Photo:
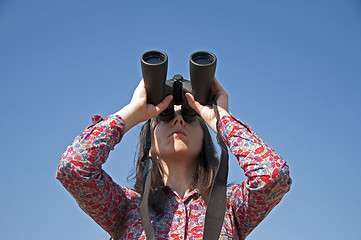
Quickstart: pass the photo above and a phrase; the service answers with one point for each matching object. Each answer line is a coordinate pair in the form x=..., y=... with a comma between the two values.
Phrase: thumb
x=193, y=103
x=164, y=104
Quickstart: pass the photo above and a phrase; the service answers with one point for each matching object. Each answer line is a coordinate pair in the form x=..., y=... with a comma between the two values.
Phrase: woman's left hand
x=207, y=112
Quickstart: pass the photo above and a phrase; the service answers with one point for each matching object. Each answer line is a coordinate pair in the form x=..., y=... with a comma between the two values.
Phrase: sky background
x=292, y=70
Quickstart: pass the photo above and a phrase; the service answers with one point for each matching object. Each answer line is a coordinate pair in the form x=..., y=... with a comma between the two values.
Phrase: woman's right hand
x=138, y=110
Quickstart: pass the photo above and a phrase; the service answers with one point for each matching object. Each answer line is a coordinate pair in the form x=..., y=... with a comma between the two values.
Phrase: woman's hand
x=138, y=110
x=207, y=112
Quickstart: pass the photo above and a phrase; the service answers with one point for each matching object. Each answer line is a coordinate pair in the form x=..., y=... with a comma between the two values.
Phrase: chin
x=179, y=149
x=178, y=145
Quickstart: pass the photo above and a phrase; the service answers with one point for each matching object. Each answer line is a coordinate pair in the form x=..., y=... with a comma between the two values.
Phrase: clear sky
x=292, y=70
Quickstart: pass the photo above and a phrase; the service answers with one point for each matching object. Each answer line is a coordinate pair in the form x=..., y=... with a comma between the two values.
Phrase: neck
x=179, y=175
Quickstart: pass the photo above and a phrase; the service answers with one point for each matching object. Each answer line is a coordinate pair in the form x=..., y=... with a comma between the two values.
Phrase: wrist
x=127, y=114
x=222, y=112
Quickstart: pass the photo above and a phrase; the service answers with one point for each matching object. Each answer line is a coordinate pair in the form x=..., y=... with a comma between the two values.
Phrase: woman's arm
x=268, y=175
x=80, y=172
x=80, y=167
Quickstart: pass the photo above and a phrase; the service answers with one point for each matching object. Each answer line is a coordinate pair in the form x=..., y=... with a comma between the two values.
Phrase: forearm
x=260, y=162
x=130, y=117
x=91, y=148
x=80, y=172
x=267, y=175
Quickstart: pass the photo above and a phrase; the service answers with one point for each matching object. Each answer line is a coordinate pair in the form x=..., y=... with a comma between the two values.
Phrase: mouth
x=178, y=132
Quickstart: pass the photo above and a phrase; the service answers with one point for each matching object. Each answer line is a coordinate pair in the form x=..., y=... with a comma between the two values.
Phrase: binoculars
x=202, y=66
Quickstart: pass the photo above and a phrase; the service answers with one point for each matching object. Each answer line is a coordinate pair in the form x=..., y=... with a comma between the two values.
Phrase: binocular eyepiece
x=202, y=66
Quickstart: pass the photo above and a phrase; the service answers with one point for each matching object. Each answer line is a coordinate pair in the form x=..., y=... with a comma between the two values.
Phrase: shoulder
x=131, y=194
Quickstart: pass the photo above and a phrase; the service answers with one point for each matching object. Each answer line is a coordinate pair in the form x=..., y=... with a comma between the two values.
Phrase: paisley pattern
x=116, y=208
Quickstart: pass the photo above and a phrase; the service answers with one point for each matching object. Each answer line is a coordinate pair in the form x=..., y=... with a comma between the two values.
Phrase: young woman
x=184, y=165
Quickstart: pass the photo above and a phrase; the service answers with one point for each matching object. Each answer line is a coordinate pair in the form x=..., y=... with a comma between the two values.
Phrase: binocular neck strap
x=216, y=206
x=147, y=179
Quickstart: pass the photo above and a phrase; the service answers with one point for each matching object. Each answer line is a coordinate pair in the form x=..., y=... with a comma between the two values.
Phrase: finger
x=217, y=85
x=205, y=112
x=164, y=104
x=193, y=103
x=140, y=89
x=141, y=84
x=217, y=88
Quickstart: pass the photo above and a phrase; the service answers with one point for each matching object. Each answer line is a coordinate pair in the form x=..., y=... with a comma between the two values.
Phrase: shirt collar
x=171, y=192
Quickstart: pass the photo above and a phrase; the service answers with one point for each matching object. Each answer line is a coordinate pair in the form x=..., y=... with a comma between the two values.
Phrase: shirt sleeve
x=80, y=172
x=267, y=175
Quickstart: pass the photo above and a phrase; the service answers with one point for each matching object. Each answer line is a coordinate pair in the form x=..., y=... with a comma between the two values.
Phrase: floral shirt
x=116, y=208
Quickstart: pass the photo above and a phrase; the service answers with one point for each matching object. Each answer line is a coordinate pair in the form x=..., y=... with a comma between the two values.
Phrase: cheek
x=156, y=141
x=198, y=139
x=160, y=142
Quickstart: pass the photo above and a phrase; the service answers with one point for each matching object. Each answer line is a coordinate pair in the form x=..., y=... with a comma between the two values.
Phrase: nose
x=178, y=119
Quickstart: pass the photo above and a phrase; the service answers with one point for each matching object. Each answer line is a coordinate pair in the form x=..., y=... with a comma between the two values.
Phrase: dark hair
x=202, y=177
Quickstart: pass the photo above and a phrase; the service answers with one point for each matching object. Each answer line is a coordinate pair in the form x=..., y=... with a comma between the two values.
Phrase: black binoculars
x=202, y=66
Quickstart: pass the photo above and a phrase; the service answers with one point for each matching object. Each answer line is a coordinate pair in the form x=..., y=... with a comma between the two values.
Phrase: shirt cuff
x=114, y=122
x=229, y=124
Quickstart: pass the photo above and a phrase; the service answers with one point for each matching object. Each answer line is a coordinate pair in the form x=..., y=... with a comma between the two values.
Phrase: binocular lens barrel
x=154, y=69
x=154, y=57
x=202, y=67
x=203, y=58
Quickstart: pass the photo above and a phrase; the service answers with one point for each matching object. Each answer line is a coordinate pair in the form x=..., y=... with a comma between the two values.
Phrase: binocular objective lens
x=203, y=58
x=154, y=57
x=154, y=60
x=202, y=61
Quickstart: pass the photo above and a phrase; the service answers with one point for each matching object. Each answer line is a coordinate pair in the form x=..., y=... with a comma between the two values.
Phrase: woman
x=185, y=162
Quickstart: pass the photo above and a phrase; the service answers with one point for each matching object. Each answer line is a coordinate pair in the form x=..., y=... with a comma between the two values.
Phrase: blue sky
x=291, y=69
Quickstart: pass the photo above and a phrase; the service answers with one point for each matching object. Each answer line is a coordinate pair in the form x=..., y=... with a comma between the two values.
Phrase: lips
x=178, y=132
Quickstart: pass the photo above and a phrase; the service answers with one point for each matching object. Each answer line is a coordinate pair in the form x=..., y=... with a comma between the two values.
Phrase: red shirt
x=116, y=208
